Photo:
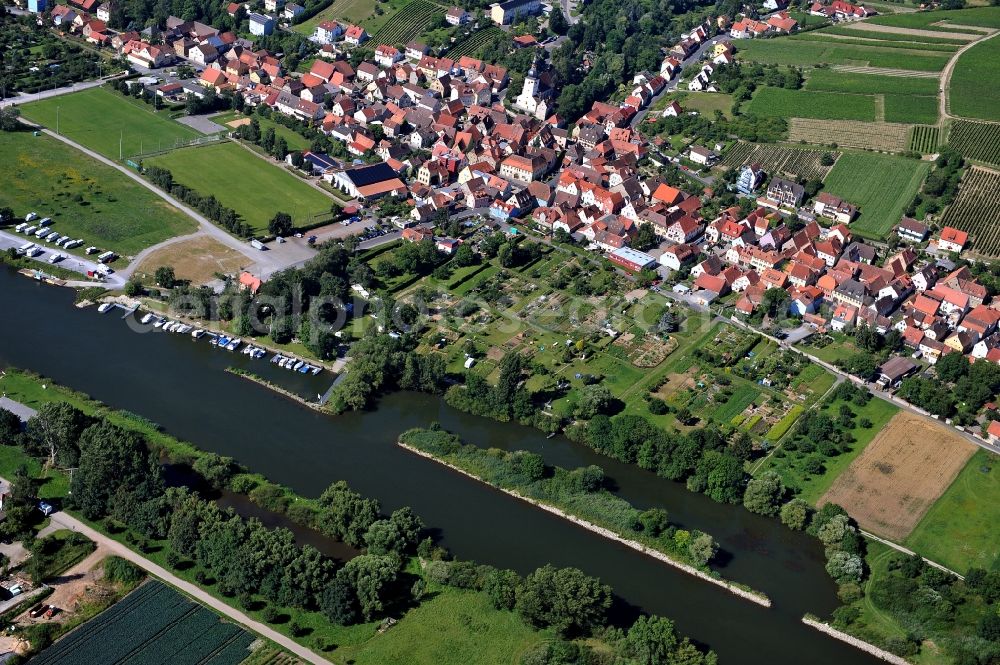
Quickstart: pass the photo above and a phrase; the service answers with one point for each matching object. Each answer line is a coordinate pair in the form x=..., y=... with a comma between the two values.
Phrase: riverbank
x=737, y=589
x=855, y=642
x=253, y=378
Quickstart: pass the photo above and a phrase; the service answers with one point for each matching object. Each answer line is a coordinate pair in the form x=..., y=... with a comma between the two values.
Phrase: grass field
x=911, y=109
x=900, y=474
x=782, y=103
x=803, y=52
x=85, y=198
x=880, y=185
x=968, y=96
x=853, y=30
x=844, y=40
x=828, y=80
x=959, y=530
x=706, y=103
x=466, y=629
x=99, y=119
x=812, y=488
x=244, y=182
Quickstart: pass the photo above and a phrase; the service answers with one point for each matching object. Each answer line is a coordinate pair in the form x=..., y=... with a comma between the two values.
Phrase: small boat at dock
x=159, y=323
x=104, y=307
x=297, y=365
x=277, y=358
x=316, y=370
x=197, y=333
x=184, y=329
x=147, y=318
x=234, y=344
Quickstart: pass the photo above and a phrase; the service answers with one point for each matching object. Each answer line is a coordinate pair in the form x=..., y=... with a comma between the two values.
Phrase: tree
x=501, y=588
x=594, y=399
x=55, y=432
x=371, y=577
x=383, y=537
x=563, y=598
x=6, y=215
x=111, y=457
x=845, y=567
x=702, y=548
x=165, y=277
x=10, y=427
x=645, y=238
x=764, y=493
x=558, y=23
x=338, y=603
x=9, y=119
x=280, y=224
x=775, y=302
x=795, y=514
x=651, y=640
x=133, y=288
x=280, y=149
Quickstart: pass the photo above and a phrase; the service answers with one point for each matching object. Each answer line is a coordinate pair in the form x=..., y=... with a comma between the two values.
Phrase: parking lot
x=81, y=265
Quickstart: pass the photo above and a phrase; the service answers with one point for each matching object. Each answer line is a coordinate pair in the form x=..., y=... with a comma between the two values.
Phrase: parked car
x=46, y=508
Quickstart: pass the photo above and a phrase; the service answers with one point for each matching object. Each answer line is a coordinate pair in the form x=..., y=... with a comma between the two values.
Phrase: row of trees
x=209, y=206
x=268, y=140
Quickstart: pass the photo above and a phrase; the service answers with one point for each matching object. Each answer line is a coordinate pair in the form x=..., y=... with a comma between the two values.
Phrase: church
x=536, y=98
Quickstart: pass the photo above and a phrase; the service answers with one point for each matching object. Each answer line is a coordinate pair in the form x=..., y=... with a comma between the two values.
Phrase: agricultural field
x=783, y=103
x=959, y=530
x=833, y=80
x=900, y=474
x=976, y=209
x=779, y=160
x=153, y=624
x=107, y=122
x=411, y=21
x=803, y=52
x=880, y=185
x=240, y=180
x=925, y=139
x=820, y=36
x=474, y=42
x=360, y=12
x=914, y=37
x=910, y=109
x=967, y=95
x=979, y=141
x=85, y=198
x=959, y=20
x=884, y=136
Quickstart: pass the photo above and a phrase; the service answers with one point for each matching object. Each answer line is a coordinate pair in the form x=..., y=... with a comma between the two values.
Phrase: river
x=180, y=384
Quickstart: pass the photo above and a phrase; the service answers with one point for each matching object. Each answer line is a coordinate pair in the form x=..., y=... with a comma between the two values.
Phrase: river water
x=181, y=384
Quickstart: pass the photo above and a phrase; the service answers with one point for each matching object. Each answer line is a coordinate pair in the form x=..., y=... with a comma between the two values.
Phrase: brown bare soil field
x=901, y=473
x=197, y=259
x=238, y=122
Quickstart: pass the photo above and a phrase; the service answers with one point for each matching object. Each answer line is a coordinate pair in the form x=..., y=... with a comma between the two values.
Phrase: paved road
x=22, y=98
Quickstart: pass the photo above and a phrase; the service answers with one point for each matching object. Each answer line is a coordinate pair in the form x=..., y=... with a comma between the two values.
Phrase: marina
x=231, y=344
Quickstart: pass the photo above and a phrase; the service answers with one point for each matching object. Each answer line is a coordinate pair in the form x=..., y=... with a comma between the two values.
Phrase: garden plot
x=646, y=350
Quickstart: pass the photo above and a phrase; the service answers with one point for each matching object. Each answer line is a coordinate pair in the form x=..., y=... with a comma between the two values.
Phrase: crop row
x=151, y=625
x=475, y=41
x=885, y=136
x=976, y=140
x=775, y=159
x=925, y=139
x=976, y=210
x=409, y=22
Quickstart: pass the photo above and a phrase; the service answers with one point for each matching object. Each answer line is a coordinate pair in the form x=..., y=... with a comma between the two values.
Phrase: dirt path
x=946, y=77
